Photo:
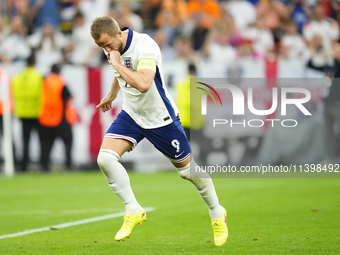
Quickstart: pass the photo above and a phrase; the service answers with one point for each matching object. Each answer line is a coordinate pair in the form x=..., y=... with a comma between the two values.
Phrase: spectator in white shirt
x=292, y=44
x=261, y=37
x=320, y=57
x=82, y=50
x=327, y=28
x=15, y=47
x=94, y=8
x=243, y=12
x=227, y=23
x=48, y=43
x=221, y=55
x=250, y=65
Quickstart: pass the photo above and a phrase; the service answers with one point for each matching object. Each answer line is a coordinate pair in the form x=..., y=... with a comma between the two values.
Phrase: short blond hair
x=103, y=25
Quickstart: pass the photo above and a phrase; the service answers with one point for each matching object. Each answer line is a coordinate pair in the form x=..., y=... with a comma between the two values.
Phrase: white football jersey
x=152, y=109
x=327, y=28
x=296, y=46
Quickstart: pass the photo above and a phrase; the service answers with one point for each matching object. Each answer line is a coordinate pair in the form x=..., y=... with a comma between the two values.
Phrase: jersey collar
x=129, y=39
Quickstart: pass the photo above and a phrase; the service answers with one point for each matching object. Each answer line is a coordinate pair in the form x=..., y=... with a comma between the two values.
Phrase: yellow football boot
x=220, y=229
x=130, y=221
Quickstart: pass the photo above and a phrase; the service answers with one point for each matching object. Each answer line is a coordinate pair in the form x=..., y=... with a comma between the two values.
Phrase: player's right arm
x=106, y=103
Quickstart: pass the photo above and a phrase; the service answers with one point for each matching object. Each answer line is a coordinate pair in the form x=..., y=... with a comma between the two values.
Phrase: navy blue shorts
x=170, y=140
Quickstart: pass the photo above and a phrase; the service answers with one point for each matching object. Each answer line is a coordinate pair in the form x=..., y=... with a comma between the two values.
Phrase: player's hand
x=106, y=103
x=114, y=57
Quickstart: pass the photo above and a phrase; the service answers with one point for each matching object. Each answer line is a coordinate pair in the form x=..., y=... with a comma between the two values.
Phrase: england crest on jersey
x=128, y=62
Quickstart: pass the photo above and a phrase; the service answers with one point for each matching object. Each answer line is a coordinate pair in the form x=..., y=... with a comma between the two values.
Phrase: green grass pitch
x=265, y=216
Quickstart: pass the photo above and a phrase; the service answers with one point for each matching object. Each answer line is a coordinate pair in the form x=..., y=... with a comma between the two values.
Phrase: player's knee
x=184, y=172
x=189, y=172
x=106, y=160
x=101, y=160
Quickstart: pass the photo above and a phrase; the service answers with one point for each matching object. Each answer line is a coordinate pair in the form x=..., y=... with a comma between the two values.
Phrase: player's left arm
x=140, y=79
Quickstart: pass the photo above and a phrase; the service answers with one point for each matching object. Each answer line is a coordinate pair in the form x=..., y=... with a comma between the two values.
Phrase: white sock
x=118, y=179
x=205, y=188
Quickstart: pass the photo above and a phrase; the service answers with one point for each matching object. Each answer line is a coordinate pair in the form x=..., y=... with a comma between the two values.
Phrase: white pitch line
x=69, y=211
x=70, y=224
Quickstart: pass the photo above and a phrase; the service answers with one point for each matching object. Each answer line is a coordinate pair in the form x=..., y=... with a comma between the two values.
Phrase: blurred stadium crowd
x=221, y=33
x=223, y=39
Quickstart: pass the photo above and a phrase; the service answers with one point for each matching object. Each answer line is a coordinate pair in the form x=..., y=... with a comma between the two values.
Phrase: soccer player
x=148, y=111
